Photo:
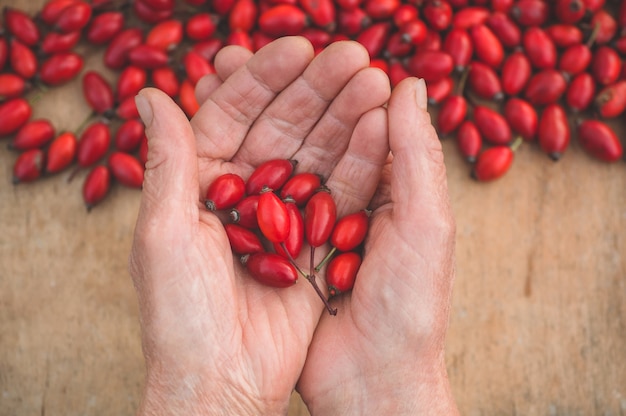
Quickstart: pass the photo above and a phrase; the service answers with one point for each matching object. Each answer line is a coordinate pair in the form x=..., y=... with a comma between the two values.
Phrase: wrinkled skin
x=217, y=342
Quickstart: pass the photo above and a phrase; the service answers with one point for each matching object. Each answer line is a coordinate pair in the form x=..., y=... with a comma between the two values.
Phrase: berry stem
x=293, y=261
x=311, y=279
x=325, y=259
x=516, y=143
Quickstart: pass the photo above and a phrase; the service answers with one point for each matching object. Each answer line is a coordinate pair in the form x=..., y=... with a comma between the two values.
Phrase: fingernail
x=420, y=94
x=144, y=108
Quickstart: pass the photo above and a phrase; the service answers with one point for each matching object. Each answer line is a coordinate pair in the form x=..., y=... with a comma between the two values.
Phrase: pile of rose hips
x=499, y=72
x=272, y=215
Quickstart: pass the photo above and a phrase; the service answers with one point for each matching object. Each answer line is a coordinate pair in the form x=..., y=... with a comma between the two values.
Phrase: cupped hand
x=384, y=352
x=215, y=341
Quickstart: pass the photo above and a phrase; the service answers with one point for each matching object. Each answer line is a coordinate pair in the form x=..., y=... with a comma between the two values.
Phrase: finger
x=418, y=180
x=206, y=86
x=368, y=89
x=354, y=180
x=223, y=121
x=169, y=200
x=291, y=117
x=229, y=59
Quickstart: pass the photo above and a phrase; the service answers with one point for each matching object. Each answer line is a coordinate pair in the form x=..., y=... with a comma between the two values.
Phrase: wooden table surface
x=538, y=323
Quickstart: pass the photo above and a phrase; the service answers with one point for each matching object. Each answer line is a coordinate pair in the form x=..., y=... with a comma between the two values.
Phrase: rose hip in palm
x=341, y=272
x=272, y=174
x=272, y=216
x=320, y=214
x=242, y=240
x=271, y=269
x=292, y=245
x=224, y=192
x=244, y=212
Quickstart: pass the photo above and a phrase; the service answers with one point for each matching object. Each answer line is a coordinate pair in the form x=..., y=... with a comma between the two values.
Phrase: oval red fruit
x=600, y=141
x=320, y=214
x=271, y=269
x=98, y=92
x=611, y=100
x=553, y=132
x=61, y=152
x=492, y=125
x=242, y=240
x=129, y=135
x=580, y=92
x=272, y=216
x=469, y=140
x=116, y=53
x=130, y=81
x=430, y=65
x=93, y=144
x=61, y=68
x=294, y=241
x=545, y=87
x=33, y=134
x=22, y=59
x=14, y=113
x=493, y=163
x=55, y=42
x=224, y=192
x=350, y=230
x=165, y=35
x=28, y=166
x=272, y=174
x=300, y=187
x=126, y=169
x=522, y=117
x=96, y=186
x=244, y=212
x=74, y=17
x=539, y=48
x=341, y=272
x=22, y=26
x=451, y=114
x=487, y=46
x=104, y=27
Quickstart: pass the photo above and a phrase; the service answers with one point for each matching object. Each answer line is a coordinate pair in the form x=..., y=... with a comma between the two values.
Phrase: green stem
x=291, y=259
x=325, y=259
x=516, y=143
x=84, y=123
x=311, y=279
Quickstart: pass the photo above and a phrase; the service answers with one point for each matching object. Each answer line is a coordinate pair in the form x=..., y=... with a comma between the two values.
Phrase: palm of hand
x=255, y=337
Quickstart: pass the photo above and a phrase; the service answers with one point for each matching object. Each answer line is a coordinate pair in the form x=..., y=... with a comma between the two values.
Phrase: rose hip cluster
x=275, y=212
x=499, y=72
x=531, y=71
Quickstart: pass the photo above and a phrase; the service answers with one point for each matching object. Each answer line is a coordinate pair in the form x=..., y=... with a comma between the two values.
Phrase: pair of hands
x=217, y=342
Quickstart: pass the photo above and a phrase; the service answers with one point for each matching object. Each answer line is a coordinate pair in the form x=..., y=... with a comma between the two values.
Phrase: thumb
x=419, y=183
x=170, y=188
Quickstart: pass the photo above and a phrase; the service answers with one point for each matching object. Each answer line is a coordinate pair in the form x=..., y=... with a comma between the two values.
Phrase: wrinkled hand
x=214, y=340
x=384, y=353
